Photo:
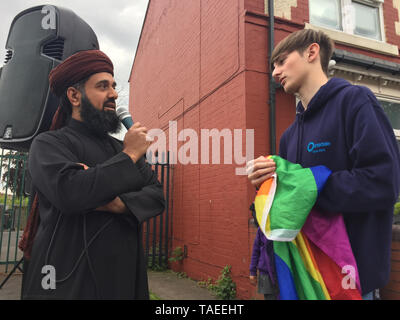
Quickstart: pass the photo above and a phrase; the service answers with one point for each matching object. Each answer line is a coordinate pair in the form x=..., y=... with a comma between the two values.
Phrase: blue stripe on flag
x=321, y=175
x=287, y=289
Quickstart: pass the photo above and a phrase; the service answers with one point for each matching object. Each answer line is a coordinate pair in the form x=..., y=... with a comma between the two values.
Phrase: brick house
x=204, y=65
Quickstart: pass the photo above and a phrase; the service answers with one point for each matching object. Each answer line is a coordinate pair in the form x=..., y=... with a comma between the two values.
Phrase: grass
x=25, y=200
x=154, y=296
x=19, y=214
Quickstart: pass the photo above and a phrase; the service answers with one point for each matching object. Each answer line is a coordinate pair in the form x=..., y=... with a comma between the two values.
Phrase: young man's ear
x=312, y=52
x=74, y=96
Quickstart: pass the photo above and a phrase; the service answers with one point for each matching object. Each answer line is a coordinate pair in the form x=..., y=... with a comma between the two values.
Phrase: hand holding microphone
x=124, y=116
x=136, y=141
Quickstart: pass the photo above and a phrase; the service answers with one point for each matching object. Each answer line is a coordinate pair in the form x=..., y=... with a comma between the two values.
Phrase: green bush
x=225, y=288
x=206, y=284
x=24, y=202
x=153, y=296
x=177, y=255
x=397, y=208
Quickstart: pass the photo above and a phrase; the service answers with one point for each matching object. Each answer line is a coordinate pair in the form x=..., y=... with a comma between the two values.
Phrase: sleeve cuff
x=124, y=172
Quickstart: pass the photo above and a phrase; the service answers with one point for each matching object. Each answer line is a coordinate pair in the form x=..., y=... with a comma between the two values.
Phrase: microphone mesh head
x=122, y=112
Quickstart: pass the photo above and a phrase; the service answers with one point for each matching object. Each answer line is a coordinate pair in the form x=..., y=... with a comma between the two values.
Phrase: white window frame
x=397, y=133
x=393, y=100
x=372, y=3
x=347, y=16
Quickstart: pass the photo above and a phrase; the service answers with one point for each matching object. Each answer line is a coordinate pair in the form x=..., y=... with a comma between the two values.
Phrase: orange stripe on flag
x=265, y=187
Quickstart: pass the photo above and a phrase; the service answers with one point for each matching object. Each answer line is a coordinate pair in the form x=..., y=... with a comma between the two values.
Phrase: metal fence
x=14, y=205
x=157, y=231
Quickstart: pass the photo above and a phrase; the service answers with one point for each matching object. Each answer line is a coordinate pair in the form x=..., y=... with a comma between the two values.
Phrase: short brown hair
x=300, y=40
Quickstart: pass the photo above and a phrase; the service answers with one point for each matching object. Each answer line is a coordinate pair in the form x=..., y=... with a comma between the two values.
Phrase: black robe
x=113, y=266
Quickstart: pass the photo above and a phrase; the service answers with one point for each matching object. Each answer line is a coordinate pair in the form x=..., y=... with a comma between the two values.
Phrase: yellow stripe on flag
x=309, y=262
x=263, y=202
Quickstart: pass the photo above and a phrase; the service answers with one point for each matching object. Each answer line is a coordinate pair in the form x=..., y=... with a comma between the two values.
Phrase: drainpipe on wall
x=271, y=83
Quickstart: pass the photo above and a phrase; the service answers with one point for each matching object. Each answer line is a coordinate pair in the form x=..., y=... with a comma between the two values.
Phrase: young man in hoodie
x=343, y=127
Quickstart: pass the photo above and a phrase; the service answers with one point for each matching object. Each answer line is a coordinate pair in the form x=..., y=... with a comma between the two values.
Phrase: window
x=392, y=110
x=326, y=13
x=358, y=17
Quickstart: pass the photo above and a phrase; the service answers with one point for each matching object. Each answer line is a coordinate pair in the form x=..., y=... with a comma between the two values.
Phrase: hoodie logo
x=317, y=147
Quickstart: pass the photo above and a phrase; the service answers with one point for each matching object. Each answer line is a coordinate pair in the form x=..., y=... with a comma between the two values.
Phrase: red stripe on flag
x=333, y=276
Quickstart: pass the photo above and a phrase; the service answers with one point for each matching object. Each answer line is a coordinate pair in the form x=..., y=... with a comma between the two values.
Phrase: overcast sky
x=116, y=23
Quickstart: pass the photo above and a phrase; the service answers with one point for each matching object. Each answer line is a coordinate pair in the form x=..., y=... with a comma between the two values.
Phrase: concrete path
x=165, y=285
x=168, y=286
x=12, y=289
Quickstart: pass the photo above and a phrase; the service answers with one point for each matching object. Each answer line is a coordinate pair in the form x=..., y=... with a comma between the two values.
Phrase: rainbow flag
x=312, y=252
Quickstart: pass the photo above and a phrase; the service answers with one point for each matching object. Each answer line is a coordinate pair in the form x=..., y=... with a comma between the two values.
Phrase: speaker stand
x=11, y=272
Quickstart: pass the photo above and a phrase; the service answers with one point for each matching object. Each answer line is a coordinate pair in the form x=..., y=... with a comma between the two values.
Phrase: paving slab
x=168, y=286
x=12, y=288
x=165, y=285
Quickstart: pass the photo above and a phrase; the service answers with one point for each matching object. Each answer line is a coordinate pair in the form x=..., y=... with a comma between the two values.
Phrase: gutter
x=271, y=82
x=366, y=62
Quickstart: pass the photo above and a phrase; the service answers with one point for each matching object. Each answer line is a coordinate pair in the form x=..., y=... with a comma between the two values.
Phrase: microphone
x=124, y=116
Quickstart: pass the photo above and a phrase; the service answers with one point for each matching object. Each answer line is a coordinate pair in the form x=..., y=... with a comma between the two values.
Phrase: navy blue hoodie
x=345, y=129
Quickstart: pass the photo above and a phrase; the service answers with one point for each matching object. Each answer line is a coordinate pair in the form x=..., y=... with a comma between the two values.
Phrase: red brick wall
x=300, y=14
x=257, y=89
x=190, y=67
x=390, y=16
x=392, y=290
x=255, y=6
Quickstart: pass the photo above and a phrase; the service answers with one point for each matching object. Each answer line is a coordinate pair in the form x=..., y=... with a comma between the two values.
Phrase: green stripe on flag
x=297, y=195
x=306, y=286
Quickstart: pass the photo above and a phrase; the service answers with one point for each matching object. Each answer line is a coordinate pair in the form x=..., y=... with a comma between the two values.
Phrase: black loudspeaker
x=39, y=39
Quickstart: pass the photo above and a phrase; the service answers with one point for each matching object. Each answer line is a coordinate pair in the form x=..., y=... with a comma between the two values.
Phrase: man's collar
x=81, y=127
